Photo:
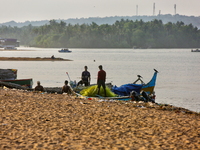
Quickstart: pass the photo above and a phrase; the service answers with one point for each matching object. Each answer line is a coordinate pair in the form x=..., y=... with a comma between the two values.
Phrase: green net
x=92, y=92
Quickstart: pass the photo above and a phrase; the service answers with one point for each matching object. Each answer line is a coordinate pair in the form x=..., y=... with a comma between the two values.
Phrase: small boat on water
x=64, y=50
x=10, y=47
x=196, y=50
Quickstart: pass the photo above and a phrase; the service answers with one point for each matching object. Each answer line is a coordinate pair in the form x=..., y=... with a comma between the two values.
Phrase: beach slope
x=32, y=120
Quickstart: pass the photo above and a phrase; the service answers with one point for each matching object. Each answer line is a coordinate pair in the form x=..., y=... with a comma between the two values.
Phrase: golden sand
x=31, y=120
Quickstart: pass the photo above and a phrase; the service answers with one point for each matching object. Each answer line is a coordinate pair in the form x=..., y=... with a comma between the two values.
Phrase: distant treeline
x=112, y=19
x=121, y=34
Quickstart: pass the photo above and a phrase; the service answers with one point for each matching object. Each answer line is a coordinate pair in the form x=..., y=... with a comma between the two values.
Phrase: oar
x=68, y=76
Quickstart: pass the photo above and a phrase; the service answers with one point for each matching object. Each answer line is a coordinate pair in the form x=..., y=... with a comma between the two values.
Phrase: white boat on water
x=10, y=47
x=64, y=50
x=197, y=50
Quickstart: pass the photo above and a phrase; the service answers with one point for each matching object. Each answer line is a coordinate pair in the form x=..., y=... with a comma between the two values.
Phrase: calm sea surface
x=178, y=80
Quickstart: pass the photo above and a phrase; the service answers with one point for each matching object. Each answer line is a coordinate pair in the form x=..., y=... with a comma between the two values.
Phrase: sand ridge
x=32, y=120
x=32, y=59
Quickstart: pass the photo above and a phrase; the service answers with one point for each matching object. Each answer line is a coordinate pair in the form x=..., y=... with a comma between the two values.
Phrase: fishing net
x=92, y=92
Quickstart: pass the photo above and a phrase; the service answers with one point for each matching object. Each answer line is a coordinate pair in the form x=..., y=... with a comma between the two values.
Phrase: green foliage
x=122, y=34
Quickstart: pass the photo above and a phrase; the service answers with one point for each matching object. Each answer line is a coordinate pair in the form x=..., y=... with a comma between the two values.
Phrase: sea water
x=178, y=80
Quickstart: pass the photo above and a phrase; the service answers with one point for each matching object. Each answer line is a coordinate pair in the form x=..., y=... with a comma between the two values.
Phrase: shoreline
x=160, y=106
x=35, y=120
x=15, y=50
x=32, y=59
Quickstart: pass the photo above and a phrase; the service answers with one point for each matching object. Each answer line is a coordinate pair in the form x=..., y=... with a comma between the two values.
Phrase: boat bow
x=149, y=87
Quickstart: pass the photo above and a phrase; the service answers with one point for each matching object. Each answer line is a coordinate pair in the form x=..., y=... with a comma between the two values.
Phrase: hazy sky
x=36, y=10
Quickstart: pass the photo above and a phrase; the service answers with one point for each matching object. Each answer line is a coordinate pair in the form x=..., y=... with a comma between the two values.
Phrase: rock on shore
x=32, y=120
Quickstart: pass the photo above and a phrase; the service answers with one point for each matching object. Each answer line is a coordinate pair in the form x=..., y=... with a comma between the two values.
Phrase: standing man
x=101, y=79
x=85, y=77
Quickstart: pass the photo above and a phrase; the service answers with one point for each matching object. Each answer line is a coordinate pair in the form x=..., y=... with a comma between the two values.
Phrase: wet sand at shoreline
x=32, y=59
x=32, y=120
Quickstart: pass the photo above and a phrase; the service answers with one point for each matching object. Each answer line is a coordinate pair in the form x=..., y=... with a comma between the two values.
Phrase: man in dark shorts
x=39, y=87
x=66, y=88
x=85, y=77
x=101, y=79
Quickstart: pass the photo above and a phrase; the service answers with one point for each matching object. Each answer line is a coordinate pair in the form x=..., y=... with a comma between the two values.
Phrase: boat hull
x=22, y=82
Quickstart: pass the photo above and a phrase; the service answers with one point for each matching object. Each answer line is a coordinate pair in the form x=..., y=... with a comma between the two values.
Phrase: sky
x=37, y=10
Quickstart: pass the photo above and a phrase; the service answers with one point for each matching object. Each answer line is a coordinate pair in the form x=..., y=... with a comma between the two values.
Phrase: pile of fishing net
x=91, y=91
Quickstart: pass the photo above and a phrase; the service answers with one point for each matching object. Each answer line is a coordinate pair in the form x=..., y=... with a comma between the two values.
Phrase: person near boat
x=101, y=79
x=85, y=77
x=66, y=88
x=39, y=87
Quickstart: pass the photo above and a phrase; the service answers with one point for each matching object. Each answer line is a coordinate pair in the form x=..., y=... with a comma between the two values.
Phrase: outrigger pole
x=68, y=76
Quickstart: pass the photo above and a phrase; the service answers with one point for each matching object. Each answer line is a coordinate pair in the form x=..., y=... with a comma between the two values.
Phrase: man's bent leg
x=80, y=82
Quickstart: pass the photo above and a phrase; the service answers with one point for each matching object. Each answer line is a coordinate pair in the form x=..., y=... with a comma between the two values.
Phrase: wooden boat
x=126, y=89
x=139, y=88
x=23, y=82
x=8, y=74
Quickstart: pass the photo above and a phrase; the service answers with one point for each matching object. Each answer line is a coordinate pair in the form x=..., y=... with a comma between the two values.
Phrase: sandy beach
x=32, y=120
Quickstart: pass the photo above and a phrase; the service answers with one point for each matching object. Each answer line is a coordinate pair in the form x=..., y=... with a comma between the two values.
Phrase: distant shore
x=32, y=59
x=14, y=50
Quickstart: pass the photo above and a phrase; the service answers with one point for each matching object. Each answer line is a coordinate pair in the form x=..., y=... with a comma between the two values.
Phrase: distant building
x=9, y=43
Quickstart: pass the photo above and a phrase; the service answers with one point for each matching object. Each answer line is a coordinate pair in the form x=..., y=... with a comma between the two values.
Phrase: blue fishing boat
x=126, y=89
x=123, y=92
